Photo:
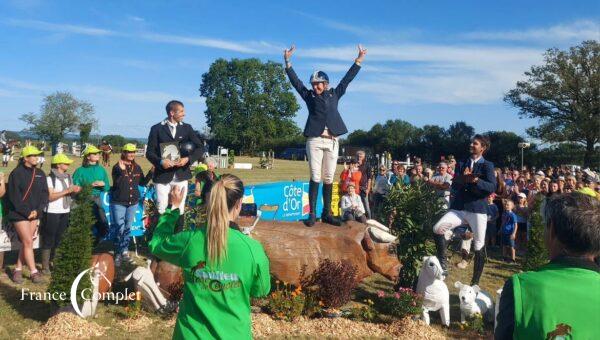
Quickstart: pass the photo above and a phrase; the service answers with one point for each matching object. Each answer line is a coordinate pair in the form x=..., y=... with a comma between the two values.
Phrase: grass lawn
x=283, y=170
x=18, y=316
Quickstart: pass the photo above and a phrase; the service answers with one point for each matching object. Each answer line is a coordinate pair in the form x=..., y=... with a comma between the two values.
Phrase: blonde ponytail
x=224, y=194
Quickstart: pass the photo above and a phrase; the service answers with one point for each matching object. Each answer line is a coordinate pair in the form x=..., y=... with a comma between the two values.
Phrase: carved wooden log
x=291, y=245
x=106, y=264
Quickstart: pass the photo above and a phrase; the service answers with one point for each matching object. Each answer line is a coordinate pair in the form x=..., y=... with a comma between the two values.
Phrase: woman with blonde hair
x=222, y=267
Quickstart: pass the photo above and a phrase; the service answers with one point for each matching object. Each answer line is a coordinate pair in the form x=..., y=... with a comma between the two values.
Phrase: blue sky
x=428, y=62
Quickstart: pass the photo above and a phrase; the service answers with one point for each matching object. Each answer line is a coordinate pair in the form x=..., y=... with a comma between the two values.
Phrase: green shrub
x=412, y=212
x=364, y=313
x=475, y=324
x=537, y=254
x=74, y=254
x=400, y=304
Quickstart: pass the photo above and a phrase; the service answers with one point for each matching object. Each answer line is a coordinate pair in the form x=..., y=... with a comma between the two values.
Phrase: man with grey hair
x=562, y=297
x=442, y=182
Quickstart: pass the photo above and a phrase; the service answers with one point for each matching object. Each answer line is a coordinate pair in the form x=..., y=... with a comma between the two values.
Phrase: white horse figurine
x=473, y=300
x=144, y=283
x=435, y=292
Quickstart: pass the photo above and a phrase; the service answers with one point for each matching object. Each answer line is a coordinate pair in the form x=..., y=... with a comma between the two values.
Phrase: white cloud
x=135, y=18
x=572, y=32
x=432, y=73
x=361, y=30
x=96, y=92
x=251, y=47
x=64, y=28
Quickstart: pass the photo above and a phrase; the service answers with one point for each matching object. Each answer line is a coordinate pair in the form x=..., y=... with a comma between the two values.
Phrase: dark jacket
x=160, y=133
x=125, y=184
x=21, y=203
x=323, y=108
x=471, y=197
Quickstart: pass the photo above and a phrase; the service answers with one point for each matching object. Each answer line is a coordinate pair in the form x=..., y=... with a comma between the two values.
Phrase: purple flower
x=397, y=295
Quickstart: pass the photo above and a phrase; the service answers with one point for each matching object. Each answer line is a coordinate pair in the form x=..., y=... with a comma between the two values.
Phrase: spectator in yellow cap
x=56, y=217
x=127, y=175
x=90, y=173
x=27, y=198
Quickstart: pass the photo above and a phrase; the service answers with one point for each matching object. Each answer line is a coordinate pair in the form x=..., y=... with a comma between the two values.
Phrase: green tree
x=564, y=94
x=60, y=113
x=505, y=150
x=85, y=129
x=433, y=143
x=115, y=140
x=459, y=137
x=74, y=254
x=248, y=103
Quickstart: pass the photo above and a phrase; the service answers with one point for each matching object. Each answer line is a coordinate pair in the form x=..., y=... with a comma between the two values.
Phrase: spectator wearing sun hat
x=27, y=198
x=56, y=216
x=127, y=175
x=91, y=173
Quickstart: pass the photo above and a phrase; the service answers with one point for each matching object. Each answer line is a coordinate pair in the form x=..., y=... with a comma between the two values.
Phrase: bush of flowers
x=285, y=303
x=400, y=304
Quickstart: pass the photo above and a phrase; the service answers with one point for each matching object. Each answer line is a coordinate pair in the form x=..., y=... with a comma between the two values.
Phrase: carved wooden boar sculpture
x=291, y=245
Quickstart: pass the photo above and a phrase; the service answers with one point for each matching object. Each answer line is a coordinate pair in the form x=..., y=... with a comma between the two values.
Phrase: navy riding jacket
x=323, y=108
x=471, y=197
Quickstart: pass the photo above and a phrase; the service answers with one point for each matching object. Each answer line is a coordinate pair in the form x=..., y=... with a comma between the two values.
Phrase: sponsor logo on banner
x=291, y=198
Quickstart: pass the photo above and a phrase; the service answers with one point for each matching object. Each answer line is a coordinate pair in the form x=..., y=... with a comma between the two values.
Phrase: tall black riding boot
x=313, y=192
x=180, y=223
x=440, y=247
x=478, y=264
x=326, y=216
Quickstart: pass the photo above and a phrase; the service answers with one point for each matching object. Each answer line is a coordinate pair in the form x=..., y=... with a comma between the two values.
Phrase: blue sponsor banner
x=287, y=201
x=137, y=227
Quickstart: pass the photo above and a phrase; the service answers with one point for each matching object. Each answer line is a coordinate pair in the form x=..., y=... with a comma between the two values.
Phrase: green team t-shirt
x=86, y=175
x=216, y=298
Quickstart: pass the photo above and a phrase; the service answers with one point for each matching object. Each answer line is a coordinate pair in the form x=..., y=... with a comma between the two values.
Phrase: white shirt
x=349, y=200
x=473, y=161
x=56, y=207
x=172, y=127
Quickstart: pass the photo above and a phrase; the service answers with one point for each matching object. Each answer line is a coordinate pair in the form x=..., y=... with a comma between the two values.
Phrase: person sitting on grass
x=222, y=267
x=562, y=297
x=352, y=206
x=509, y=230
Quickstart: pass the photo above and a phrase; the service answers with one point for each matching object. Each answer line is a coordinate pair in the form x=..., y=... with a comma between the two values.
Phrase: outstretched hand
x=362, y=52
x=287, y=53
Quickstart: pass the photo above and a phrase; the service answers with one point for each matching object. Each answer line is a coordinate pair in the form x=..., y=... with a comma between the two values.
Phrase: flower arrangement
x=400, y=304
x=364, y=313
x=284, y=303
